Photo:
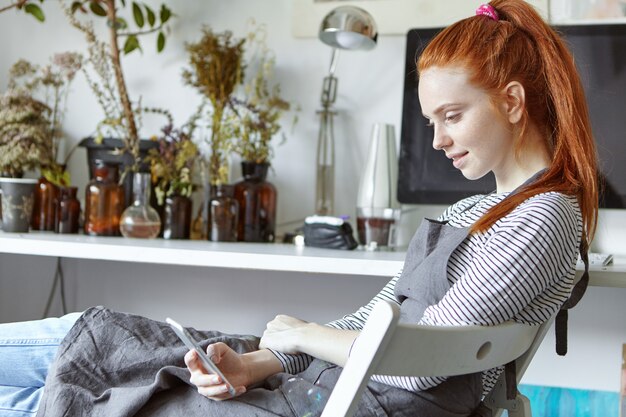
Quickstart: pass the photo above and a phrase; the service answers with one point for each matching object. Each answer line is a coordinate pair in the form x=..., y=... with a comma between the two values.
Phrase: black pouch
x=332, y=235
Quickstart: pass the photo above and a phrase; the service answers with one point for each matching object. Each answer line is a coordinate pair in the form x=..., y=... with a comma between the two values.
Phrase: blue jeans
x=27, y=350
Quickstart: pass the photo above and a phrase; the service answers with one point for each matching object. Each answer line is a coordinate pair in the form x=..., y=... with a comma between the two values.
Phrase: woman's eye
x=453, y=117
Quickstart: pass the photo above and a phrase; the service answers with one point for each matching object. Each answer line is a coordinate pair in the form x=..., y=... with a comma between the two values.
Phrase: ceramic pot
x=17, y=203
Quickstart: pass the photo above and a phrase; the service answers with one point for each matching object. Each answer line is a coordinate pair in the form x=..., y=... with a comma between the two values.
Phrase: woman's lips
x=457, y=159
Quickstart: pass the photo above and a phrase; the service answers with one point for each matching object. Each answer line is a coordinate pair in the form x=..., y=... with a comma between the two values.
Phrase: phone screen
x=192, y=344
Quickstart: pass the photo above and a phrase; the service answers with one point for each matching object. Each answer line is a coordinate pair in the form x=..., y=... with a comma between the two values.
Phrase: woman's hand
x=232, y=365
x=284, y=334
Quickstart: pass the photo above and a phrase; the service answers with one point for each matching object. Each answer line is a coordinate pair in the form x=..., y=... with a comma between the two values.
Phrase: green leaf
x=97, y=9
x=35, y=11
x=123, y=3
x=160, y=42
x=138, y=15
x=77, y=6
x=131, y=44
x=121, y=23
x=165, y=14
x=150, y=15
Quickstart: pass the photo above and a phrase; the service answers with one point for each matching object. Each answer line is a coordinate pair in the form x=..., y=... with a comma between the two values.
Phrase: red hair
x=520, y=46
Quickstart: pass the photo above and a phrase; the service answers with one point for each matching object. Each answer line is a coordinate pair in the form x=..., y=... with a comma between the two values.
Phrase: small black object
x=328, y=232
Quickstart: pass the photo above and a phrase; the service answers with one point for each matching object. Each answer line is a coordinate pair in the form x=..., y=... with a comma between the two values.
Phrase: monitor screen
x=426, y=176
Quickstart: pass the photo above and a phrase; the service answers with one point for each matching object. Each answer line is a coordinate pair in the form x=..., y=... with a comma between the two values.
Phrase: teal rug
x=568, y=402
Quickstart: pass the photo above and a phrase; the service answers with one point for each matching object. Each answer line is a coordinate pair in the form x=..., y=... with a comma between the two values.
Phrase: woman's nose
x=441, y=138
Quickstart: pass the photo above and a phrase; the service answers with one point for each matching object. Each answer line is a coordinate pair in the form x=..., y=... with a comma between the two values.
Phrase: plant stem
x=17, y=4
x=133, y=139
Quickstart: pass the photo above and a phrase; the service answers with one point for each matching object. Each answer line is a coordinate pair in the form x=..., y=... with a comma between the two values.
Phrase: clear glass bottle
x=140, y=219
x=104, y=201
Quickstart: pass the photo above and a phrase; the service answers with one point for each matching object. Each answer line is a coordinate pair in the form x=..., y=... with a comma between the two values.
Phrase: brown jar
x=67, y=211
x=104, y=201
x=223, y=214
x=44, y=205
x=177, y=217
x=257, y=204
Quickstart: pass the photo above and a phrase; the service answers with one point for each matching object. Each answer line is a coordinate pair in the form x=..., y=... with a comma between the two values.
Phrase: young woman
x=502, y=95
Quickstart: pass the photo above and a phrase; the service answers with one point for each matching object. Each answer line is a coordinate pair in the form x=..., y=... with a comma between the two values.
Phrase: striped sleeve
x=294, y=364
x=524, y=272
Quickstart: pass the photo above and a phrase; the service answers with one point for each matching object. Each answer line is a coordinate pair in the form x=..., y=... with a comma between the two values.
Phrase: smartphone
x=192, y=344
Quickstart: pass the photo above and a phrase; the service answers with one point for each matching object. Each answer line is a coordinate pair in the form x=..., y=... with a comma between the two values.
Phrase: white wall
x=370, y=90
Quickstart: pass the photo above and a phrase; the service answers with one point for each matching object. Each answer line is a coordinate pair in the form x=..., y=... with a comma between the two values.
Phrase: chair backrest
x=387, y=347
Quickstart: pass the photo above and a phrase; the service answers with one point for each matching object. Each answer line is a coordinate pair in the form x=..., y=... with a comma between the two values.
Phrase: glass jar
x=257, y=204
x=177, y=217
x=140, y=219
x=67, y=211
x=104, y=201
x=223, y=214
x=46, y=195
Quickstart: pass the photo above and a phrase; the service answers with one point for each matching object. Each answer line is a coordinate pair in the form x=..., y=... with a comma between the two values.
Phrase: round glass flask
x=140, y=220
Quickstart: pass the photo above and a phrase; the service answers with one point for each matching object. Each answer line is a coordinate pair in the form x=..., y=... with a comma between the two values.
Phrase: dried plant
x=262, y=107
x=25, y=141
x=216, y=70
x=105, y=76
x=172, y=163
x=51, y=85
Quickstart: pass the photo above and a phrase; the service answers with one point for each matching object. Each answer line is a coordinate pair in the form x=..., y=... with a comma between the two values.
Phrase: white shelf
x=254, y=256
x=257, y=256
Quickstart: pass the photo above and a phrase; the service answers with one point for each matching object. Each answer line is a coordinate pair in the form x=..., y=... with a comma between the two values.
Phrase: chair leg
x=522, y=407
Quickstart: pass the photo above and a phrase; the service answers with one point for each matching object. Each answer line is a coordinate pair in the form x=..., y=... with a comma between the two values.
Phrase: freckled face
x=467, y=126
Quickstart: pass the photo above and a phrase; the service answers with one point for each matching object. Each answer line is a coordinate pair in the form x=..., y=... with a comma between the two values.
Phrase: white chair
x=387, y=347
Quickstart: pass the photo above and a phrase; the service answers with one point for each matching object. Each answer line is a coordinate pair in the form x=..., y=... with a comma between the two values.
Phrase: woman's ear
x=514, y=101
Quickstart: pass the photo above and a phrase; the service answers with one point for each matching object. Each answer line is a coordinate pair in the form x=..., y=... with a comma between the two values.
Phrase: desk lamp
x=345, y=27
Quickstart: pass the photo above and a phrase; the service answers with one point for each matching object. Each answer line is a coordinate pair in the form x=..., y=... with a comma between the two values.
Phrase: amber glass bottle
x=223, y=214
x=177, y=217
x=104, y=201
x=46, y=194
x=67, y=211
x=257, y=204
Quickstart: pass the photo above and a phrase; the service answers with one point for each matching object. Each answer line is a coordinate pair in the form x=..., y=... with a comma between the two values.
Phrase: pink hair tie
x=487, y=10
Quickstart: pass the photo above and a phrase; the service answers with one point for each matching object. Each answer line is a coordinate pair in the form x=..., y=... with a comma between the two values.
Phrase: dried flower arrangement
x=105, y=76
x=51, y=85
x=242, y=118
x=171, y=165
x=25, y=141
x=262, y=106
x=216, y=70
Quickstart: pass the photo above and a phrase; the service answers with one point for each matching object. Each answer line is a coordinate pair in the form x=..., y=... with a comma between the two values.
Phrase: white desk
x=256, y=256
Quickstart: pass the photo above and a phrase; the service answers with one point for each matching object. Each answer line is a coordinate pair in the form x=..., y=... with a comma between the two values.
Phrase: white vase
x=378, y=210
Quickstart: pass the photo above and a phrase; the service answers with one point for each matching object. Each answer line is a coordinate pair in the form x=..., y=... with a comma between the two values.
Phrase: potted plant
x=117, y=135
x=259, y=122
x=216, y=71
x=171, y=166
x=51, y=84
x=24, y=145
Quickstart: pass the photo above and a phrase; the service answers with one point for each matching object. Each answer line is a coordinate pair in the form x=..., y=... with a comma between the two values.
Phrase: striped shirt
x=521, y=269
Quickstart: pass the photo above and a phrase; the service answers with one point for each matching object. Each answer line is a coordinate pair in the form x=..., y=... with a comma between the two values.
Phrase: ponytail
x=521, y=46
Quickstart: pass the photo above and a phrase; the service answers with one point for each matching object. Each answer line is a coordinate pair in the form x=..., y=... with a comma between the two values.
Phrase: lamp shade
x=349, y=27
